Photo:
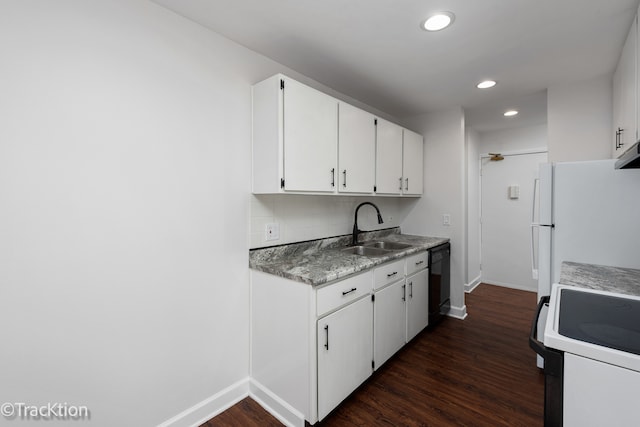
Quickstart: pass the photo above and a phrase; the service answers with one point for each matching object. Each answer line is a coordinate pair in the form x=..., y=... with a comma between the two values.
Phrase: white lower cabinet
x=313, y=346
x=389, y=321
x=417, y=303
x=401, y=310
x=345, y=347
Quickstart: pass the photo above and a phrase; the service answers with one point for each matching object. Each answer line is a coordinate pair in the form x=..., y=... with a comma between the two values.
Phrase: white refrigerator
x=587, y=212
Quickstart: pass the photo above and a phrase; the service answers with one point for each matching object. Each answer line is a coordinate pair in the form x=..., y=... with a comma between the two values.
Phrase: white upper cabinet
x=388, y=158
x=412, y=168
x=295, y=138
x=307, y=142
x=399, y=164
x=310, y=139
x=625, y=95
x=356, y=150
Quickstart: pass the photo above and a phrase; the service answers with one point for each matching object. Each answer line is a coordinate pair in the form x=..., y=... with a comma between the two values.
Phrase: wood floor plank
x=477, y=372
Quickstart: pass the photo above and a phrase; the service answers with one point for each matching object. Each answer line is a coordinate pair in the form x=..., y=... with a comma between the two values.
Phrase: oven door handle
x=534, y=343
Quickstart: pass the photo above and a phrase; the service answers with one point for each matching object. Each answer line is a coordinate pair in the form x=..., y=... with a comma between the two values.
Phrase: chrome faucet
x=354, y=240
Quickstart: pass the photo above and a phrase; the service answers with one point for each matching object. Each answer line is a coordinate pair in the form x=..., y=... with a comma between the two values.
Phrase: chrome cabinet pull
x=333, y=177
x=348, y=292
x=404, y=292
x=407, y=184
x=411, y=290
x=419, y=262
x=326, y=329
x=392, y=274
x=400, y=183
x=344, y=178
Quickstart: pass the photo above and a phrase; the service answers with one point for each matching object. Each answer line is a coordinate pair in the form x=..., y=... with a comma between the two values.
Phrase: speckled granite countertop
x=601, y=277
x=321, y=261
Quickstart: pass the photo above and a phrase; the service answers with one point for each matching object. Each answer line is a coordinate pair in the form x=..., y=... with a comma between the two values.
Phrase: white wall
x=513, y=140
x=472, y=274
x=124, y=225
x=444, y=191
x=580, y=120
x=304, y=217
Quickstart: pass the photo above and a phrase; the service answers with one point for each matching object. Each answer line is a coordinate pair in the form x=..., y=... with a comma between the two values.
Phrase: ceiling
x=376, y=52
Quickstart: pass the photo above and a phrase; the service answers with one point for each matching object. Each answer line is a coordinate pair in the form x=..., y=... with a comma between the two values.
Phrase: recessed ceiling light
x=510, y=113
x=486, y=84
x=438, y=21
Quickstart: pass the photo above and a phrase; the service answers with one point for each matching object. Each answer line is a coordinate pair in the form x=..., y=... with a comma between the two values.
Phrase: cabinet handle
x=619, y=142
x=392, y=274
x=419, y=262
x=400, y=183
x=407, y=184
x=344, y=179
x=348, y=292
x=333, y=177
x=404, y=292
x=326, y=329
x=411, y=290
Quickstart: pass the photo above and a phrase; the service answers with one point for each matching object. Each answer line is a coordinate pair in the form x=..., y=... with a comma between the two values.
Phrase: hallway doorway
x=506, y=199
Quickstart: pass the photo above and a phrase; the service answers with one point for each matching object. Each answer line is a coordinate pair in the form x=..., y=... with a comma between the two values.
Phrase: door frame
x=487, y=155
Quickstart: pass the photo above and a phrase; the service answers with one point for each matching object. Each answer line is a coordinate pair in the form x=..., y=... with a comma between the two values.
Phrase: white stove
x=592, y=358
x=600, y=325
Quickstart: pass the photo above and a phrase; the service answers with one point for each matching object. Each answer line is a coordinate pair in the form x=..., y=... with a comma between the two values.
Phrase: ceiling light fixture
x=486, y=84
x=438, y=21
x=511, y=113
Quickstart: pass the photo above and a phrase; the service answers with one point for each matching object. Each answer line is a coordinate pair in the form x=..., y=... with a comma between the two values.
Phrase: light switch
x=446, y=219
x=514, y=191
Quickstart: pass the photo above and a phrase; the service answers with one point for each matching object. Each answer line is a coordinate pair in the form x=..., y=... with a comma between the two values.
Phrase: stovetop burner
x=604, y=320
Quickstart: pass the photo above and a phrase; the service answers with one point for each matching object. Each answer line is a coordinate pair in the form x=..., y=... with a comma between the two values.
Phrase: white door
x=310, y=139
x=345, y=352
x=417, y=303
x=356, y=150
x=388, y=322
x=507, y=203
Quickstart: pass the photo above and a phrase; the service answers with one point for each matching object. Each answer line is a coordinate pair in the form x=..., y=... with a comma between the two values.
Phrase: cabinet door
x=356, y=150
x=417, y=303
x=345, y=352
x=625, y=91
x=617, y=111
x=388, y=158
x=310, y=137
x=412, y=167
x=389, y=314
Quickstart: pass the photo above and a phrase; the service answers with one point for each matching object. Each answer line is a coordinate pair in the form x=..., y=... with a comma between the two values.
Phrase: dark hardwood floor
x=476, y=372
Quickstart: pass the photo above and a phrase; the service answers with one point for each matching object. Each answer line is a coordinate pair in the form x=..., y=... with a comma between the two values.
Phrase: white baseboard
x=458, y=312
x=469, y=287
x=209, y=408
x=275, y=406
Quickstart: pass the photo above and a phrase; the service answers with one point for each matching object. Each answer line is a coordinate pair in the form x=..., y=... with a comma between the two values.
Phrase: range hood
x=630, y=159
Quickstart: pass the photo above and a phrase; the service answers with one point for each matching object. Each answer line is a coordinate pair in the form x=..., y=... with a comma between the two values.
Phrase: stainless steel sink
x=389, y=246
x=365, y=251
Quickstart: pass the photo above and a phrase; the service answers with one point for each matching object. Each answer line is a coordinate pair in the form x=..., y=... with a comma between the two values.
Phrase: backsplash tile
x=307, y=217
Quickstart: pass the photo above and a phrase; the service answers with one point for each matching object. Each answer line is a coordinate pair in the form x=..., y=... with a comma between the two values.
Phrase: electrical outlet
x=446, y=219
x=271, y=231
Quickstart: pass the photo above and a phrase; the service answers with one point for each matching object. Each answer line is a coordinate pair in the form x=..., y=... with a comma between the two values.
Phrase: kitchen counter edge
x=320, y=262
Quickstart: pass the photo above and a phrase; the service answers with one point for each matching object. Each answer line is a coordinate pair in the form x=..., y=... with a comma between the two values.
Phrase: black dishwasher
x=439, y=282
